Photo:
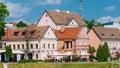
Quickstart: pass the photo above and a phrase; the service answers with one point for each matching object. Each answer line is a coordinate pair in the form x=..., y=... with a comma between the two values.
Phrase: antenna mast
x=80, y=7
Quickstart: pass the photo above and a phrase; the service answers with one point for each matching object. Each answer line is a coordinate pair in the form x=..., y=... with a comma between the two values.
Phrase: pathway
x=5, y=65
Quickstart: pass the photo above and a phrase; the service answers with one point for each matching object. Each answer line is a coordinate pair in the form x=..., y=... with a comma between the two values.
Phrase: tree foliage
x=103, y=53
x=99, y=25
x=92, y=23
x=8, y=52
x=3, y=14
x=21, y=24
x=91, y=50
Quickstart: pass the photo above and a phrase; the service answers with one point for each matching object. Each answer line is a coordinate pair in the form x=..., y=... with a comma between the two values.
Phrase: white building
x=42, y=42
x=112, y=24
x=58, y=19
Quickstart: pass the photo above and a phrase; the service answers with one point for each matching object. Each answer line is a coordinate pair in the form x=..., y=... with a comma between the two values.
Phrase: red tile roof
x=33, y=32
x=68, y=33
x=107, y=33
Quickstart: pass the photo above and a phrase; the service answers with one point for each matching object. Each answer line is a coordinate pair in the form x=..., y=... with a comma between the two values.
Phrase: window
x=37, y=56
x=31, y=46
x=46, y=15
x=112, y=34
x=23, y=33
x=0, y=45
x=16, y=33
x=48, y=45
x=36, y=46
x=48, y=33
x=67, y=46
x=80, y=42
x=9, y=45
x=72, y=23
x=5, y=44
x=44, y=46
x=22, y=46
x=14, y=46
x=102, y=34
x=18, y=46
x=46, y=20
x=85, y=42
x=53, y=46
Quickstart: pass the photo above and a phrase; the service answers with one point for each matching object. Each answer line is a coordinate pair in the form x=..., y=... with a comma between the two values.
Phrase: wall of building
x=73, y=23
x=46, y=21
x=93, y=39
x=48, y=47
x=115, y=25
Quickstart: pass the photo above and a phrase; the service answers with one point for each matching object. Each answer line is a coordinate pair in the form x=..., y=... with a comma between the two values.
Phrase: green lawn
x=63, y=65
x=1, y=65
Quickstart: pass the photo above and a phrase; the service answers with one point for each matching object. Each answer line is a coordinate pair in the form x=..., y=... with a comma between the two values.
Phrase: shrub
x=28, y=61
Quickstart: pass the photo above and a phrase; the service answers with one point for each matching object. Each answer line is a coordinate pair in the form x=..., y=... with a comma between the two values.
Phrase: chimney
x=67, y=11
x=8, y=30
x=57, y=10
x=62, y=29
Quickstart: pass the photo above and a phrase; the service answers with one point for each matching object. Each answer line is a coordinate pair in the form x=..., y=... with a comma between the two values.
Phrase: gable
x=46, y=20
x=73, y=23
x=49, y=34
x=83, y=34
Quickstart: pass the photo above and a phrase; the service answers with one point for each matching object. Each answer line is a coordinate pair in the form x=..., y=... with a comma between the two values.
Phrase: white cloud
x=105, y=19
x=110, y=8
x=48, y=2
x=16, y=9
x=117, y=19
x=2, y=0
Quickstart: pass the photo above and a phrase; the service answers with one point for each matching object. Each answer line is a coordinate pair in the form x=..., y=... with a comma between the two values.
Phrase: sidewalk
x=5, y=65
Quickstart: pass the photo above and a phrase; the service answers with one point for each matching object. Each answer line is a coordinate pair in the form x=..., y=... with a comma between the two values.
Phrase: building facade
x=100, y=35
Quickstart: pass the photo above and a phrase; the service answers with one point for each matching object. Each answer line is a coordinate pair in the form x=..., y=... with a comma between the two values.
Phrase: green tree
x=99, y=54
x=8, y=52
x=99, y=25
x=90, y=23
x=106, y=51
x=103, y=53
x=3, y=14
x=21, y=24
x=91, y=51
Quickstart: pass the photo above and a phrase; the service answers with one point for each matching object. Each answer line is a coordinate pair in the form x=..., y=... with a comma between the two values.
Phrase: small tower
x=80, y=8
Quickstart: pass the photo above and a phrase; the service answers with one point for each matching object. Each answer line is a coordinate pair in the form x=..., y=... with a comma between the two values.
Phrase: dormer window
x=32, y=32
x=102, y=34
x=16, y=33
x=112, y=34
x=23, y=33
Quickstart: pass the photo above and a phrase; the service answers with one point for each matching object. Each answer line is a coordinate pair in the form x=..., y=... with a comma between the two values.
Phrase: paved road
x=5, y=65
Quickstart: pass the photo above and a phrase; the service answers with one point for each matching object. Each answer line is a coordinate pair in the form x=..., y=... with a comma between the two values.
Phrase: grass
x=64, y=65
x=1, y=65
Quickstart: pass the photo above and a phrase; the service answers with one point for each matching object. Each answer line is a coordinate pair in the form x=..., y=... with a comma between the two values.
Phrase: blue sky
x=31, y=10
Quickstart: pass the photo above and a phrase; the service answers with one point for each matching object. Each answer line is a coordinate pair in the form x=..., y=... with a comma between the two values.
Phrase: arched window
x=53, y=46
x=49, y=46
x=36, y=46
x=18, y=46
x=13, y=46
x=31, y=46
x=37, y=56
x=44, y=46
